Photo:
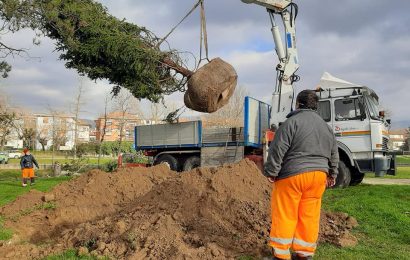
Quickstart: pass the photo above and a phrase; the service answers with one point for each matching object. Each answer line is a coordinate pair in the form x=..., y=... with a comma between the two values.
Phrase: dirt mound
x=153, y=213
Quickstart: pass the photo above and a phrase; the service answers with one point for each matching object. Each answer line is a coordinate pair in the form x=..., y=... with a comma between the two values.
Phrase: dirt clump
x=211, y=86
x=335, y=229
x=151, y=213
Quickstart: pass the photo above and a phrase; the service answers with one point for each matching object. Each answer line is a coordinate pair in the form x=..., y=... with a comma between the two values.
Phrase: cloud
x=366, y=42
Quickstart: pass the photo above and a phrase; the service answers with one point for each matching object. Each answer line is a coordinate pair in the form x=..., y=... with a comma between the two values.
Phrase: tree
x=24, y=127
x=102, y=46
x=125, y=104
x=15, y=15
x=7, y=117
x=103, y=129
x=78, y=103
x=406, y=145
x=43, y=137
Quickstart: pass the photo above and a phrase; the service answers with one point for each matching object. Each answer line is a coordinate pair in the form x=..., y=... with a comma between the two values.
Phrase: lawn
x=48, y=160
x=10, y=184
x=383, y=213
x=403, y=159
x=384, y=222
x=402, y=173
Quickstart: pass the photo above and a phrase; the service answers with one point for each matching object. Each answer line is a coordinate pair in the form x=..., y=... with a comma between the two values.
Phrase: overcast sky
x=366, y=42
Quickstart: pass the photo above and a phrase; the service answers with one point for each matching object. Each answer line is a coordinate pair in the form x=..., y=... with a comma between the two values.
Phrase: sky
x=366, y=42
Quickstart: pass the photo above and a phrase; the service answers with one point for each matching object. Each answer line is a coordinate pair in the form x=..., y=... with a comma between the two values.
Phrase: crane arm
x=282, y=97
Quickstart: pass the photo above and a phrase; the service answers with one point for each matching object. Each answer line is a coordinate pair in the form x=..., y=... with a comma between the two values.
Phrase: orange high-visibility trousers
x=27, y=173
x=295, y=203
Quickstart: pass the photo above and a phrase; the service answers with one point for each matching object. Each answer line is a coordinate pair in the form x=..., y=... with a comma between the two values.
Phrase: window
x=373, y=107
x=324, y=110
x=349, y=109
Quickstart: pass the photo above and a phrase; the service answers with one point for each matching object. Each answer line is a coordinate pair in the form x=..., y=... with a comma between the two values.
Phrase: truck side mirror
x=388, y=121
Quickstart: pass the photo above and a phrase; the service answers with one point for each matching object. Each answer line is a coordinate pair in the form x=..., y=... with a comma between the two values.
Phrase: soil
x=154, y=213
x=211, y=86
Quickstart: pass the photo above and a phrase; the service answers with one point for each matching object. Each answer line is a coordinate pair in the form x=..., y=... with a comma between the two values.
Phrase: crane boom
x=283, y=95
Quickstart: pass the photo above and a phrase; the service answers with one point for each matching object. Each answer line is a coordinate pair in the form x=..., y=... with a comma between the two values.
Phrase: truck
x=351, y=110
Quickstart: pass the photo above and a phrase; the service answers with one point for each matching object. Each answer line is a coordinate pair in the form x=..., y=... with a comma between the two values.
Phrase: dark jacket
x=27, y=161
x=303, y=143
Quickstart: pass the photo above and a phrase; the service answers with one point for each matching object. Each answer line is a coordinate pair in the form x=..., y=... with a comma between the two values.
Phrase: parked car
x=4, y=157
x=15, y=154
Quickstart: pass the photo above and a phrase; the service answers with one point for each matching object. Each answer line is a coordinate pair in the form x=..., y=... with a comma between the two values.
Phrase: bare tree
x=25, y=126
x=43, y=137
x=230, y=115
x=104, y=128
x=125, y=104
x=159, y=111
x=78, y=103
x=7, y=118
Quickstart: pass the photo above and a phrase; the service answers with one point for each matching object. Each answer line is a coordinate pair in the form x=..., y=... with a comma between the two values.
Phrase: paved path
x=384, y=181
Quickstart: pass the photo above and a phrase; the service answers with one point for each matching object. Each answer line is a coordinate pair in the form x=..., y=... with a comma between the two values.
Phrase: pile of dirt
x=154, y=213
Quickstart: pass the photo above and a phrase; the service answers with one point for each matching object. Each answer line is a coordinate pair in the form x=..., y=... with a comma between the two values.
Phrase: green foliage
x=5, y=234
x=73, y=255
x=99, y=45
x=109, y=148
x=109, y=166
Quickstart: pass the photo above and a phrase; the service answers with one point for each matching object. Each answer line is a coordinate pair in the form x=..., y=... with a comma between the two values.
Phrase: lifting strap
x=203, y=32
x=203, y=36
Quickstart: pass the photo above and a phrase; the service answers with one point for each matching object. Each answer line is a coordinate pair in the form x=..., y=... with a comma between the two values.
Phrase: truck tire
x=192, y=163
x=357, y=177
x=168, y=159
x=344, y=176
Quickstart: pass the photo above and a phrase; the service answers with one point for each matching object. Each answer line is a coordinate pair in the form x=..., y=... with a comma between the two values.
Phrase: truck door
x=325, y=111
x=351, y=124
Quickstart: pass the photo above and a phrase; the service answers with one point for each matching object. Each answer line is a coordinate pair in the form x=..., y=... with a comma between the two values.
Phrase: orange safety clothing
x=295, y=203
x=28, y=173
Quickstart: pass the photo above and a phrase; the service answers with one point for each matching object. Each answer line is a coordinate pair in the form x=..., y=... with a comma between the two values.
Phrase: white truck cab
x=361, y=130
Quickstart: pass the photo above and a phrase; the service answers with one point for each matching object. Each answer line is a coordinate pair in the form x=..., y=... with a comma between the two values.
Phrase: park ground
x=383, y=213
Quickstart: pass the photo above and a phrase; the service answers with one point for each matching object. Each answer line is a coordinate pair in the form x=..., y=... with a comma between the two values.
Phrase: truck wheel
x=357, y=177
x=192, y=163
x=169, y=160
x=344, y=176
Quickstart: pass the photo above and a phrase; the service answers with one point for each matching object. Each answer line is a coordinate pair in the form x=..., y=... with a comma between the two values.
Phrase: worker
x=302, y=160
x=27, y=163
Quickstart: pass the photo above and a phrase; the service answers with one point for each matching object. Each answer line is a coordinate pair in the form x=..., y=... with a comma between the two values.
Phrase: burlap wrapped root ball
x=210, y=87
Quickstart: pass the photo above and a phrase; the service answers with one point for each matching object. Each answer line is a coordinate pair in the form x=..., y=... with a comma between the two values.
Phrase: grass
x=10, y=189
x=383, y=213
x=72, y=255
x=405, y=159
x=10, y=185
x=402, y=173
x=48, y=160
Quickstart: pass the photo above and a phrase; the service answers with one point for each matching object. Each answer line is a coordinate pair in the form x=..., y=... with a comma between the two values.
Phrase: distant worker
x=302, y=160
x=27, y=163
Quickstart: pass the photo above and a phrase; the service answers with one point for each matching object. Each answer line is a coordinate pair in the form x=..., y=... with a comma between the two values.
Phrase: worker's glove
x=330, y=181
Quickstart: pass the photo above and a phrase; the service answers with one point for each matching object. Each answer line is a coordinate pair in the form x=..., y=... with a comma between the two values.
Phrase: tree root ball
x=211, y=86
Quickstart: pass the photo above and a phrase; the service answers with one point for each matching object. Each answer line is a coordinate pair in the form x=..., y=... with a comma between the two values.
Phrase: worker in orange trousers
x=27, y=163
x=302, y=160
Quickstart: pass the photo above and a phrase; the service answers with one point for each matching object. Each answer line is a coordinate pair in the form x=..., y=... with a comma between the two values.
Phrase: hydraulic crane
x=283, y=95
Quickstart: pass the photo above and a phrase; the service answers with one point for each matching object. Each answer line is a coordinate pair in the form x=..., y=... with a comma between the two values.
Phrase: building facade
x=118, y=125
x=397, y=139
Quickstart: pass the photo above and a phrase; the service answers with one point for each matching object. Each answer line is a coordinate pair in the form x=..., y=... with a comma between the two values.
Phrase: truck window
x=324, y=110
x=349, y=109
